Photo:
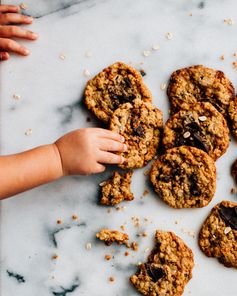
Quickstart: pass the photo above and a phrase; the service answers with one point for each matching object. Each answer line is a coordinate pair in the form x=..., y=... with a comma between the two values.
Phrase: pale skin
x=81, y=152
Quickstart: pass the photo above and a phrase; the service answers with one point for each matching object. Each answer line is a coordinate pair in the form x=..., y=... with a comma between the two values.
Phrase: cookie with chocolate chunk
x=234, y=170
x=218, y=235
x=140, y=123
x=200, y=84
x=184, y=177
x=116, y=189
x=111, y=236
x=115, y=85
x=200, y=126
x=233, y=117
x=168, y=268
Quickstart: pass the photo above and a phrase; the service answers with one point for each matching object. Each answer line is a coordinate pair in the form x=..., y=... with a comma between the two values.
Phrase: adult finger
x=14, y=31
x=9, y=8
x=15, y=18
x=4, y=55
x=13, y=46
x=110, y=158
x=111, y=145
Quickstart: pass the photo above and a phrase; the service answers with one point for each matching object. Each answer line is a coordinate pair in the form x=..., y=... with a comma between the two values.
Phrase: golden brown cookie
x=218, y=235
x=200, y=126
x=140, y=123
x=184, y=177
x=198, y=83
x=111, y=236
x=116, y=189
x=233, y=117
x=168, y=268
x=234, y=170
x=115, y=85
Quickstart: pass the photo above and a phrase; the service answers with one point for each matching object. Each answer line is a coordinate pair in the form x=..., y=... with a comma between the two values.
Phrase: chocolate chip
x=127, y=82
x=155, y=273
x=229, y=215
x=200, y=143
x=165, y=178
x=193, y=126
x=194, y=189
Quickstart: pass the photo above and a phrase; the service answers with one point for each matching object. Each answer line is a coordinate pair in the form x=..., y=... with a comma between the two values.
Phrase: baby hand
x=85, y=150
x=9, y=19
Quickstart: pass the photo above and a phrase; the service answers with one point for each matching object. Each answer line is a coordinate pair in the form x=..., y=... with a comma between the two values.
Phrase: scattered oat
x=108, y=257
x=186, y=135
x=86, y=73
x=169, y=35
x=155, y=46
x=134, y=246
x=222, y=57
x=74, y=217
x=126, y=253
x=229, y=21
x=16, y=97
x=227, y=230
x=88, y=246
x=28, y=132
x=59, y=221
x=23, y=6
x=54, y=257
x=202, y=118
x=88, y=54
x=102, y=183
x=146, y=53
x=163, y=86
x=62, y=56
x=232, y=190
x=111, y=279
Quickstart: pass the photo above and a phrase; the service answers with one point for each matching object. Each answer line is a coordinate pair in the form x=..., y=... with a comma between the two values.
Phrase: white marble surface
x=51, y=90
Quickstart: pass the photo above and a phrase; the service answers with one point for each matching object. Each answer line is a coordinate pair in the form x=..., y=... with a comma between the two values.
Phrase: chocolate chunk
x=229, y=215
x=127, y=82
x=194, y=189
x=155, y=273
x=165, y=179
x=234, y=170
x=199, y=142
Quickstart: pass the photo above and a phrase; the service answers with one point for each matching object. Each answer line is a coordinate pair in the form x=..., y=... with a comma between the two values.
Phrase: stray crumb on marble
x=28, y=132
x=88, y=246
x=111, y=279
x=232, y=190
x=169, y=35
x=163, y=86
x=146, y=53
x=86, y=73
x=143, y=73
x=59, y=221
x=54, y=257
x=109, y=211
x=126, y=253
x=88, y=54
x=108, y=257
x=23, y=6
x=190, y=13
x=146, y=172
x=74, y=217
x=222, y=57
x=234, y=65
x=16, y=97
x=155, y=46
x=122, y=227
x=229, y=21
x=134, y=246
x=234, y=54
x=145, y=192
x=62, y=56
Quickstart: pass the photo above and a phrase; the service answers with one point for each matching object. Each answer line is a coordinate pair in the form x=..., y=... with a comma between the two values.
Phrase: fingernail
x=34, y=35
x=29, y=19
x=122, y=139
x=26, y=51
x=125, y=147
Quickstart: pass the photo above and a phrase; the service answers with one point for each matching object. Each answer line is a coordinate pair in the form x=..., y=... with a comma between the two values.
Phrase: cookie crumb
x=74, y=217
x=109, y=211
x=163, y=86
x=134, y=246
x=190, y=14
x=122, y=227
x=169, y=35
x=146, y=172
x=88, y=119
x=88, y=54
x=28, y=132
x=229, y=21
x=222, y=57
x=146, y=53
x=16, y=97
x=155, y=46
x=108, y=257
x=88, y=246
x=232, y=190
x=87, y=73
x=62, y=56
x=227, y=230
x=126, y=253
x=54, y=257
x=59, y=221
x=111, y=279
x=145, y=192
x=234, y=54
x=234, y=65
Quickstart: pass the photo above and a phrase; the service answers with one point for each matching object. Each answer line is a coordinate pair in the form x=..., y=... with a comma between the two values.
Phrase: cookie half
x=116, y=189
x=140, y=123
x=184, y=177
x=200, y=126
x=111, y=236
x=168, y=268
x=115, y=85
x=218, y=235
x=198, y=83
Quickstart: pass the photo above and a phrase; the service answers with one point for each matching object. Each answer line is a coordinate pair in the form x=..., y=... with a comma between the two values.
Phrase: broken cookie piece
x=116, y=189
x=111, y=236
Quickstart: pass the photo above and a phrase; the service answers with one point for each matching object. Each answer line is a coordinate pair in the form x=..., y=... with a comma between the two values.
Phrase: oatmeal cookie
x=198, y=83
x=111, y=236
x=184, y=177
x=140, y=123
x=234, y=170
x=201, y=126
x=168, y=268
x=115, y=85
x=218, y=235
x=233, y=117
x=116, y=189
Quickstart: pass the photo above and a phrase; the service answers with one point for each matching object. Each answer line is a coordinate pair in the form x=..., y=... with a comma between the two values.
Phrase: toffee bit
x=146, y=172
x=145, y=192
x=134, y=246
